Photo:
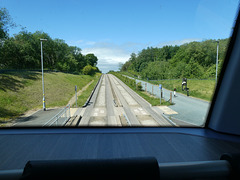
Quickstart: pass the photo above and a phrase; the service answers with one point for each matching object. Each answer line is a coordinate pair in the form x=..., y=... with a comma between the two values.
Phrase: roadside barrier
x=60, y=118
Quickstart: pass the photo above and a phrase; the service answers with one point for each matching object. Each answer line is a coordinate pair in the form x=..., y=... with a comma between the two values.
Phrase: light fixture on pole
x=217, y=60
x=44, y=104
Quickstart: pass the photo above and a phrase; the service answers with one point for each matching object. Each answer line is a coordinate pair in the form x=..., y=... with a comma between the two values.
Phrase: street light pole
x=44, y=105
x=217, y=60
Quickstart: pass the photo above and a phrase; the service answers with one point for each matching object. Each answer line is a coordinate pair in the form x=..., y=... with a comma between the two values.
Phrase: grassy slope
x=128, y=74
x=22, y=91
x=202, y=89
x=85, y=94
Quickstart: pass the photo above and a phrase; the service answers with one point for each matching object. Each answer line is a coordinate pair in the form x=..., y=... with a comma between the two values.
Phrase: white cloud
x=105, y=66
x=178, y=42
x=81, y=43
x=109, y=54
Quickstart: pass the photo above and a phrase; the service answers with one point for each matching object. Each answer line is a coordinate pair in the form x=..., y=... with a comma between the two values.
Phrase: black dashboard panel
x=20, y=145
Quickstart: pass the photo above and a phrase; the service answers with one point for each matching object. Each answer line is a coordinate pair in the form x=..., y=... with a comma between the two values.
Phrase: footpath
x=186, y=109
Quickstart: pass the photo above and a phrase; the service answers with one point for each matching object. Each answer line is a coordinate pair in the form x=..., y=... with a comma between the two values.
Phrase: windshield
x=111, y=63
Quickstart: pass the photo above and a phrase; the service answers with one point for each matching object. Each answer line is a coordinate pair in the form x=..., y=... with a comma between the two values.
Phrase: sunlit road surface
x=189, y=109
x=115, y=104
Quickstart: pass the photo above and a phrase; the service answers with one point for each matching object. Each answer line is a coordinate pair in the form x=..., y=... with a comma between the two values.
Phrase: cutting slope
x=22, y=91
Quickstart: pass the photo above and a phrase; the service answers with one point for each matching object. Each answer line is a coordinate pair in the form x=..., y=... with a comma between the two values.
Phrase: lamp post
x=217, y=60
x=44, y=105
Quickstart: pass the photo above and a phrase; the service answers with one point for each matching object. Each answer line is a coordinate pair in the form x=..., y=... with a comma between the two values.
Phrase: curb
x=169, y=120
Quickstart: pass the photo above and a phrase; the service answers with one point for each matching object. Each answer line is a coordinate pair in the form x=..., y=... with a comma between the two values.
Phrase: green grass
x=128, y=74
x=202, y=89
x=151, y=99
x=85, y=94
x=22, y=91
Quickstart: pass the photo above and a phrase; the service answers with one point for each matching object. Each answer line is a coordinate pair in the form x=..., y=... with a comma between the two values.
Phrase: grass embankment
x=22, y=91
x=85, y=94
x=128, y=74
x=148, y=97
x=202, y=89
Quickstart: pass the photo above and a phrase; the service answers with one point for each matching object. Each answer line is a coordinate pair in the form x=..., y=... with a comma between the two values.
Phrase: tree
x=193, y=60
x=91, y=59
x=22, y=51
x=9, y=58
x=5, y=23
x=88, y=70
x=120, y=65
x=156, y=70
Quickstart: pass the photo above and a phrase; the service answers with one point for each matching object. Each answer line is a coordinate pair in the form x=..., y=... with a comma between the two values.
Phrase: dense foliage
x=191, y=60
x=23, y=51
x=5, y=23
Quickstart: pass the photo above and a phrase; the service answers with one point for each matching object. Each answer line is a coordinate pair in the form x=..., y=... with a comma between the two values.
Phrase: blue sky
x=113, y=29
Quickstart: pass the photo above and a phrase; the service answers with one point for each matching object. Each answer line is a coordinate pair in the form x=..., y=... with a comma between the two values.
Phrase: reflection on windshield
x=111, y=64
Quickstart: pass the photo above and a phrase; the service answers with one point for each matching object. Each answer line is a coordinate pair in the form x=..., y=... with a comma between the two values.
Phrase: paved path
x=38, y=118
x=189, y=109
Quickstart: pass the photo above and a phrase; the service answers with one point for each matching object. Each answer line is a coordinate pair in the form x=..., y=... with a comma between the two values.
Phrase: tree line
x=190, y=60
x=23, y=51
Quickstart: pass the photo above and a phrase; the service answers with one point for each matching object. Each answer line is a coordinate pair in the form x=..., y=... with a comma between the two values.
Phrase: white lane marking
x=167, y=110
x=143, y=112
x=149, y=122
x=136, y=111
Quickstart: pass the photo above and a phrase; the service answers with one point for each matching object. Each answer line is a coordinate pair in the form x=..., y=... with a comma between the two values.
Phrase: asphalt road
x=115, y=104
x=189, y=109
x=38, y=118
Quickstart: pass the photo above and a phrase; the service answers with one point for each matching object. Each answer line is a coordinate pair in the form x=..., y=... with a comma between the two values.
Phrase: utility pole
x=76, y=94
x=217, y=60
x=44, y=104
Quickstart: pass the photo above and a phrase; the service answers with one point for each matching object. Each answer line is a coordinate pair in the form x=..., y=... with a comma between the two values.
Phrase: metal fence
x=61, y=118
x=150, y=88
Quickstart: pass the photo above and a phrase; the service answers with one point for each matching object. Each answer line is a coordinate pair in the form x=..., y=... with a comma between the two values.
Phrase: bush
x=88, y=70
x=139, y=86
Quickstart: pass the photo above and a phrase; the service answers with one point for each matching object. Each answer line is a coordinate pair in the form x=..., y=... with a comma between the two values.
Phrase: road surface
x=38, y=118
x=188, y=109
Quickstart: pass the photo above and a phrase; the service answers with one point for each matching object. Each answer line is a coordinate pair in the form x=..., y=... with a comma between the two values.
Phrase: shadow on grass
x=8, y=80
x=4, y=113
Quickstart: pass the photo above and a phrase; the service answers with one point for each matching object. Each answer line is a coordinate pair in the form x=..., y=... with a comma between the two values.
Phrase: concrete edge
x=89, y=98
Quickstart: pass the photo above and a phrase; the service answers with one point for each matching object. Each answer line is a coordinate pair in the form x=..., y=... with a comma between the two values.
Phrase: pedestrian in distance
x=174, y=92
